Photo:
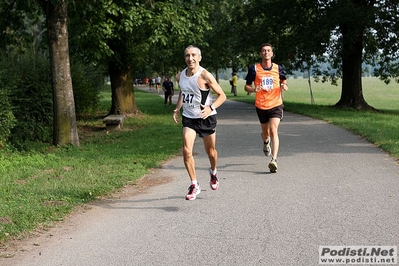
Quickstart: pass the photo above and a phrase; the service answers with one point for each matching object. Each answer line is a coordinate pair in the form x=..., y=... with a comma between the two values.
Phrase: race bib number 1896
x=267, y=83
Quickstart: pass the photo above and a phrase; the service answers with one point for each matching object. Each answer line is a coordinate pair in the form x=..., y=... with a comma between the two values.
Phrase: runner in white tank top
x=193, y=96
x=199, y=117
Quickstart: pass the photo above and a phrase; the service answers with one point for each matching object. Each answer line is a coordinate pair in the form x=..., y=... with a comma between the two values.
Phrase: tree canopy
x=128, y=38
x=343, y=33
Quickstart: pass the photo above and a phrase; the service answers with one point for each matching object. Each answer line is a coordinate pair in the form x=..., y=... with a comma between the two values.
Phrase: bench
x=113, y=122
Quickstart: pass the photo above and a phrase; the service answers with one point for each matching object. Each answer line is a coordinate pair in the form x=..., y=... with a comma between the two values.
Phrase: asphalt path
x=332, y=188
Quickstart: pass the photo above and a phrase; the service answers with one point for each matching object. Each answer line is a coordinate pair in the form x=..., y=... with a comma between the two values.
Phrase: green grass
x=40, y=187
x=375, y=92
x=380, y=128
x=37, y=188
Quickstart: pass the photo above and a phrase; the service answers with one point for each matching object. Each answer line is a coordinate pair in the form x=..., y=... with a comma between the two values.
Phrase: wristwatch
x=213, y=108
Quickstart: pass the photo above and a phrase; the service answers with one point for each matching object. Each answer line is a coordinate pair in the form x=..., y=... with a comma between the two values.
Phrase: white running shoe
x=193, y=191
x=214, y=183
x=273, y=166
x=266, y=148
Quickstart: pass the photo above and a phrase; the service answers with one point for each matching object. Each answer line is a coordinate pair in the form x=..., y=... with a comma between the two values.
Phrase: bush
x=87, y=81
x=31, y=99
x=7, y=119
x=29, y=76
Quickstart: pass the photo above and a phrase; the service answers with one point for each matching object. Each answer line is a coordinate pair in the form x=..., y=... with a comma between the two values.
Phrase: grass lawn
x=40, y=187
x=375, y=92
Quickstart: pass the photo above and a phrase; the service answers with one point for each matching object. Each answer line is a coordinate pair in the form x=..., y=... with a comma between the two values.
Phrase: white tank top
x=193, y=95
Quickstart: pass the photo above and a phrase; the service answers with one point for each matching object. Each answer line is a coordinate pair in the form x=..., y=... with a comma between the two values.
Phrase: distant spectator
x=158, y=83
x=167, y=87
x=151, y=83
x=233, y=83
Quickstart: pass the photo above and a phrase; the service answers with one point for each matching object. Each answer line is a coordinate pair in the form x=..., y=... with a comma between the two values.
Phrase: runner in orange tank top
x=269, y=81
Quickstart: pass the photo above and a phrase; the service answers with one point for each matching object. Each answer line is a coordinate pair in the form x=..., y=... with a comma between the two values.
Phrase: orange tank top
x=270, y=94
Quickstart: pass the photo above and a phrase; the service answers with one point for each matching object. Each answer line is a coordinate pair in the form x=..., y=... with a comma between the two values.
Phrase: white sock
x=194, y=183
x=214, y=172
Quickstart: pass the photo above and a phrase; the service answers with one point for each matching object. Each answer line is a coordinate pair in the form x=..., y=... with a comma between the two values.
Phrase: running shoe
x=214, y=183
x=193, y=191
x=266, y=148
x=273, y=166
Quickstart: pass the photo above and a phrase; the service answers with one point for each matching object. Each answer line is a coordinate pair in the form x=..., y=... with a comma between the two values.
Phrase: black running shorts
x=203, y=127
x=265, y=115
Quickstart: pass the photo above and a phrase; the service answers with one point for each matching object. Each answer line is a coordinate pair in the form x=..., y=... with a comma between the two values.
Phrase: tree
x=65, y=128
x=344, y=33
x=219, y=40
x=13, y=33
x=16, y=18
x=122, y=35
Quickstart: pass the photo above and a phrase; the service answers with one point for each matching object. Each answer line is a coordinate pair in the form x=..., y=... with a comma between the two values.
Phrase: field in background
x=375, y=92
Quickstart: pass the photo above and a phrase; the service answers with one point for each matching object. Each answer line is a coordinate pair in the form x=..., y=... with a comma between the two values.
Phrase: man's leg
x=273, y=130
x=265, y=135
x=265, y=132
x=170, y=99
x=210, y=148
x=270, y=129
x=189, y=136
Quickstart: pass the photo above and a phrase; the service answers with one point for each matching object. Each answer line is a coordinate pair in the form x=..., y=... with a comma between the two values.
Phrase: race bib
x=267, y=83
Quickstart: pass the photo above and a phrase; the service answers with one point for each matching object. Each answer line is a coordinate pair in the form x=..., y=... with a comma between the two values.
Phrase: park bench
x=113, y=122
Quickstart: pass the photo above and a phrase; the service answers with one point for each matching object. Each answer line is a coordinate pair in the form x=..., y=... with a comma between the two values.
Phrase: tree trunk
x=217, y=75
x=64, y=125
x=352, y=49
x=123, y=101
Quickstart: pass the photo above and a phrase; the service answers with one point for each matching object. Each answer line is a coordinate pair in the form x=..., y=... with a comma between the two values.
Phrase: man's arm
x=249, y=80
x=179, y=103
x=283, y=78
x=211, y=83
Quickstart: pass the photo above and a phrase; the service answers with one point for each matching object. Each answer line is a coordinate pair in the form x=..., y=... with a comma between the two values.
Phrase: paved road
x=332, y=188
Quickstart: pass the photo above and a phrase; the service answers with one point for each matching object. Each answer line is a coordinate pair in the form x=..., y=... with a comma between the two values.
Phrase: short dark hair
x=266, y=44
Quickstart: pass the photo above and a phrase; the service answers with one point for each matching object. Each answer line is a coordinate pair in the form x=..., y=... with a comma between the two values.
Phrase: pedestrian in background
x=158, y=83
x=167, y=87
x=233, y=83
